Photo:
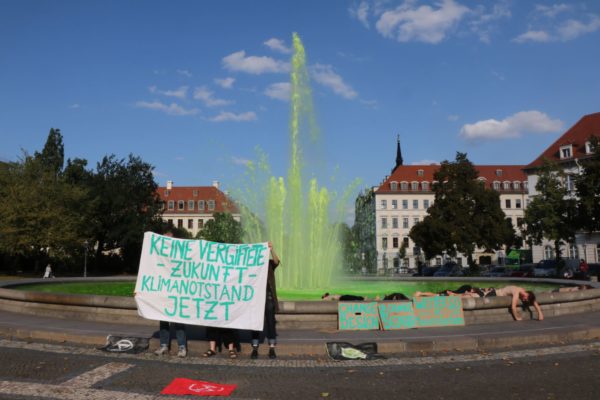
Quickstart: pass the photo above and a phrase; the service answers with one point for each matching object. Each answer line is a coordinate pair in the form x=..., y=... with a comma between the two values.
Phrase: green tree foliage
x=588, y=191
x=465, y=214
x=222, y=228
x=38, y=216
x=551, y=213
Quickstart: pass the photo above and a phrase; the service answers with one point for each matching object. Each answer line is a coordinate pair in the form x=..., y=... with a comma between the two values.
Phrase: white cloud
x=572, y=29
x=325, y=75
x=207, y=97
x=453, y=117
x=511, y=127
x=253, y=64
x=240, y=161
x=225, y=83
x=76, y=105
x=425, y=162
x=180, y=92
x=171, y=109
x=483, y=24
x=184, y=72
x=278, y=45
x=533, y=36
x=551, y=11
x=279, y=91
x=424, y=24
x=361, y=13
x=229, y=116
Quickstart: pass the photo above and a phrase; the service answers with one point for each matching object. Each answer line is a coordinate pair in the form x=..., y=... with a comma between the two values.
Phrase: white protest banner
x=202, y=283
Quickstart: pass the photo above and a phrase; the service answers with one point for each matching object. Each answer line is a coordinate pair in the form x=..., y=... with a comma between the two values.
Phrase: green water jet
x=296, y=210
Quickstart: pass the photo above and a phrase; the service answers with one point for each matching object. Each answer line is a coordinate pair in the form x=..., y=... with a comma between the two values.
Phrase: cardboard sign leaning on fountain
x=205, y=283
x=421, y=312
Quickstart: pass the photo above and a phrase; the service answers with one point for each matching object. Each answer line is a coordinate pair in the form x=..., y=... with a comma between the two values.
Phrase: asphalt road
x=36, y=371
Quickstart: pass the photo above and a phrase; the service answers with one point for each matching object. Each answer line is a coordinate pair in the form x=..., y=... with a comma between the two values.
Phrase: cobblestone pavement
x=37, y=370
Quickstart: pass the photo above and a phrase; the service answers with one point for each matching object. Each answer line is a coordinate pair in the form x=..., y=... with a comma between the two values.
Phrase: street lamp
x=85, y=255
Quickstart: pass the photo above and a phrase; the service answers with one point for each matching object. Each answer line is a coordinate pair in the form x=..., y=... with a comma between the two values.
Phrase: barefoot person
x=518, y=293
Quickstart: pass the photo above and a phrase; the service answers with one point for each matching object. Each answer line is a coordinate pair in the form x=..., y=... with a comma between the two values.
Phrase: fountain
x=295, y=211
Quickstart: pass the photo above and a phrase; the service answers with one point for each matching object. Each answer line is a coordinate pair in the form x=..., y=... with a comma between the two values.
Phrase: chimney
x=169, y=185
x=215, y=184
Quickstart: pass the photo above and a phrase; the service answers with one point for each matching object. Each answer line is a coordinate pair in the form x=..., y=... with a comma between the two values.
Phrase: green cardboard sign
x=397, y=315
x=358, y=316
x=438, y=311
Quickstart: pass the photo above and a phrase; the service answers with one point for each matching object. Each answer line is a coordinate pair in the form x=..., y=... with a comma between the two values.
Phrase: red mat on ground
x=182, y=386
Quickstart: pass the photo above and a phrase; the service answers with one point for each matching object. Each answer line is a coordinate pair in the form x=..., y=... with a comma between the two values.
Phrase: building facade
x=402, y=201
x=570, y=152
x=191, y=207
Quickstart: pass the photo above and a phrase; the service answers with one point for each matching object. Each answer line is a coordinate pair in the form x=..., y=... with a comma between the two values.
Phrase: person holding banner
x=271, y=307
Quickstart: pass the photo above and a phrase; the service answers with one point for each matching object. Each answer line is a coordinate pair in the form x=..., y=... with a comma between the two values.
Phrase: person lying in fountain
x=518, y=293
x=463, y=291
x=342, y=297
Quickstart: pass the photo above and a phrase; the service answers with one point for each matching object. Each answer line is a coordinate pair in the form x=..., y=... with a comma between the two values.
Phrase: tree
x=465, y=214
x=52, y=156
x=551, y=213
x=588, y=191
x=222, y=228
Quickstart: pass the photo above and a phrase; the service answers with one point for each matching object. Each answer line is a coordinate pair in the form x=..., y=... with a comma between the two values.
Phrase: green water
x=368, y=289
x=294, y=212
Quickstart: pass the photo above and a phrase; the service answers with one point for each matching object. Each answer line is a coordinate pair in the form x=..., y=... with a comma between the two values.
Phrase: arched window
x=394, y=186
x=425, y=186
x=404, y=185
x=548, y=253
x=415, y=186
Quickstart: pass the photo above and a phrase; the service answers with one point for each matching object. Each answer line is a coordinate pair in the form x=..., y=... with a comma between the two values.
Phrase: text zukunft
x=196, y=281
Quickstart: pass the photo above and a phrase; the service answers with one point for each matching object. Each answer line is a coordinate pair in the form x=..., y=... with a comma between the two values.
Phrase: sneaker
x=182, y=352
x=254, y=354
x=272, y=353
x=162, y=350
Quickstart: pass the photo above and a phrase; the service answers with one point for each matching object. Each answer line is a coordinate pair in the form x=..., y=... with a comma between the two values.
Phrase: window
x=211, y=204
x=405, y=204
x=180, y=223
x=394, y=204
x=384, y=243
x=425, y=186
x=415, y=220
x=167, y=192
x=415, y=204
x=506, y=185
x=548, y=252
x=394, y=186
x=405, y=223
x=498, y=172
x=415, y=186
x=395, y=223
x=438, y=261
x=383, y=204
x=171, y=205
x=597, y=252
x=195, y=192
x=383, y=223
x=520, y=221
x=573, y=251
x=566, y=151
x=191, y=204
x=190, y=224
x=507, y=203
x=200, y=223
x=570, y=183
x=588, y=148
x=496, y=185
x=395, y=243
x=426, y=204
x=181, y=205
x=405, y=241
x=459, y=261
x=517, y=185
x=201, y=205
x=420, y=172
x=404, y=186
x=170, y=221
x=517, y=203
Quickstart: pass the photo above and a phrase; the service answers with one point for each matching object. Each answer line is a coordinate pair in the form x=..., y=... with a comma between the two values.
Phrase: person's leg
x=163, y=334
x=181, y=339
x=270, y=330
x=212, y=334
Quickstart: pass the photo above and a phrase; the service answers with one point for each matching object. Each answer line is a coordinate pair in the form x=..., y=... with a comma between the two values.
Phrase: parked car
x=428, y=271
x=450, y=269
x=496, y=271
x=524, y=271
x=546, y=269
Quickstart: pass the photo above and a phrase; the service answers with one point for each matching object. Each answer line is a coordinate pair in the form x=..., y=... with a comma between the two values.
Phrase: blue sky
x=194, y=86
